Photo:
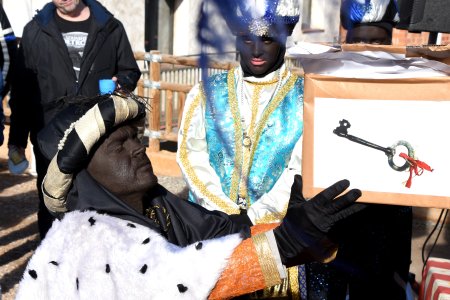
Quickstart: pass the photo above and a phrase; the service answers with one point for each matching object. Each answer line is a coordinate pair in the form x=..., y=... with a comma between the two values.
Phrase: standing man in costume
x=379, y=249
x=375, y=255
x=369, y=22
x=101, y=180
x=65, y=50
x=240, y=141
x=240, y=136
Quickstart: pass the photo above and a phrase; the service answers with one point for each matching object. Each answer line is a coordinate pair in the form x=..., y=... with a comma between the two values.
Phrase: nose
x=257, y=48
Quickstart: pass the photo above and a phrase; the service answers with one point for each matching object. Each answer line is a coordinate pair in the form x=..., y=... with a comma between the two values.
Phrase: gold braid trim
x=272, y=81
x=190, y=170
x=238, y=134
x=293, y=283
x=151, y=213
x=273, y=217
x=266, y=260
x=234, y=107
x=270, y=109
x=247, y=163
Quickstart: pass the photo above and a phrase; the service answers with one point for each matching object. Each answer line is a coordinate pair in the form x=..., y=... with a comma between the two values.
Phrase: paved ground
x=18, y=228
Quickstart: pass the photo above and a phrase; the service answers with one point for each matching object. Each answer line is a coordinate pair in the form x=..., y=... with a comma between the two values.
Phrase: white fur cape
x=93, y=256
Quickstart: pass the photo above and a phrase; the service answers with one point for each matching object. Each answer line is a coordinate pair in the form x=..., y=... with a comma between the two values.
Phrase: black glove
x=302, y=235
x=241, y=219
x=128, y=82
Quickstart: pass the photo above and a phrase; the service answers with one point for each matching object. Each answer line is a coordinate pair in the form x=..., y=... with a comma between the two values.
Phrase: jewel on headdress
x=259, y=27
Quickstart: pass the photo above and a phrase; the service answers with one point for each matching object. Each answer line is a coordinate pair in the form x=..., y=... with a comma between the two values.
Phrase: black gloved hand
x=128, y=81
x=241, y=219
x=302, y=235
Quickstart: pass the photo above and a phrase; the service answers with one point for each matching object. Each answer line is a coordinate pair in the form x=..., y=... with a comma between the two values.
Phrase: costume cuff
x=245, y=273
x=269, y=258
x=276, y=254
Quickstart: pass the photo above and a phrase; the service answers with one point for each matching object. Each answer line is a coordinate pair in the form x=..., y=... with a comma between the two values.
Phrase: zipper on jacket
x=77, y=87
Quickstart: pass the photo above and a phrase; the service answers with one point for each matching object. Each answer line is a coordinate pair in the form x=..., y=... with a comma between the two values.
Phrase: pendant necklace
x=248, y=132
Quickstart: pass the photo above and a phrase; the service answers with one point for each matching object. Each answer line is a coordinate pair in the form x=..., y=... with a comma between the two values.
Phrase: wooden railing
x=166, y=80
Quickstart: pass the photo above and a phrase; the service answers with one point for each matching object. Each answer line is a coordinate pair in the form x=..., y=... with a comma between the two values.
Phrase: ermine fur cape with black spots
x=88, y=255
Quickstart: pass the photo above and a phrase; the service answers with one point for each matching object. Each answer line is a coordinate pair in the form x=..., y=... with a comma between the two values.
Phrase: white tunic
x=271, y=203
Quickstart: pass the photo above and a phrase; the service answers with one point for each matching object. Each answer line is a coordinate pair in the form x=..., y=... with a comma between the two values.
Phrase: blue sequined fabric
x=282, y=130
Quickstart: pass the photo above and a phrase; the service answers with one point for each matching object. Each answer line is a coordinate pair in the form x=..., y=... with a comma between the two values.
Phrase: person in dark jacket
x=65, y=50
x=8, y=44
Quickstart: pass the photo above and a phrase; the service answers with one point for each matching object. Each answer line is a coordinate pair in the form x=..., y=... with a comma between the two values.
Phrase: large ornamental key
x=389, y=151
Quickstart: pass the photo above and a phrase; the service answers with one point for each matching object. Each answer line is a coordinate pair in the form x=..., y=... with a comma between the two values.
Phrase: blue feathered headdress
x=257, y=16
x=356, y=12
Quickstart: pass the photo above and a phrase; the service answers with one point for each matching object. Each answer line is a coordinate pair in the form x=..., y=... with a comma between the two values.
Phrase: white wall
x=185, y=22
x=129, y=12
x=324, y=17
x=132, y=14
x=20, y=12
x=185, y=28
x=324, y=21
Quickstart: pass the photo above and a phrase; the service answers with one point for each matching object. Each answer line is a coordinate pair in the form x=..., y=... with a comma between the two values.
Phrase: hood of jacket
x=99, y=13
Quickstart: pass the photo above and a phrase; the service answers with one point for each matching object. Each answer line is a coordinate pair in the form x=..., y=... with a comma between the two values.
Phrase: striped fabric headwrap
x=75, y=142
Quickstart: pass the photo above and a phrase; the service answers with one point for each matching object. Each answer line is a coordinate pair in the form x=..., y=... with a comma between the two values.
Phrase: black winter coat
x=9, y=50
x=45, y=73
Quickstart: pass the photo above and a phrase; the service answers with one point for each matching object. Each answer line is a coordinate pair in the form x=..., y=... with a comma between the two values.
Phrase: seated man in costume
x=100, y=180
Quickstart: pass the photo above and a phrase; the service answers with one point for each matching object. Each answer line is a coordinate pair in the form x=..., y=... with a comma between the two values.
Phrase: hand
x=114, y=78
x=302, y=234
x=123, y=82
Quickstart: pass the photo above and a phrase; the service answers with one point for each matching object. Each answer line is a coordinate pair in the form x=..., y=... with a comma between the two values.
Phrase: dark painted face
x=260, y=55
x=369, y=35
x=121, y=165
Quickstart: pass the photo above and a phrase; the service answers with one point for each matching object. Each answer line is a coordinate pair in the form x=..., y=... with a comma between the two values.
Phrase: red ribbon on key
x=416, y=167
